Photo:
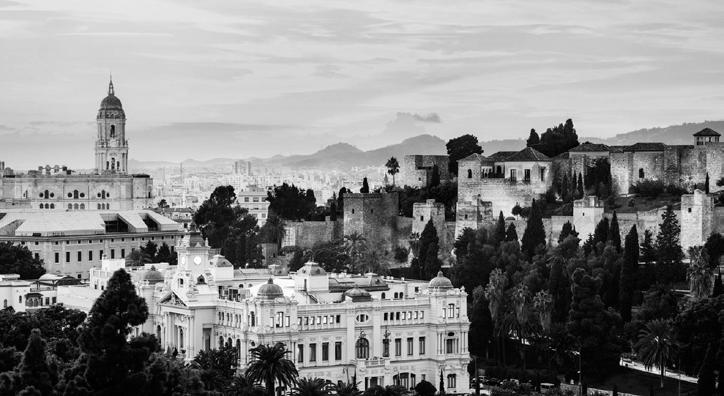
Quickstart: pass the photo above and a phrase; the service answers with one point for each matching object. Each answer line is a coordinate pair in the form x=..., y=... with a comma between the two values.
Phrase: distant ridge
x=673, y=134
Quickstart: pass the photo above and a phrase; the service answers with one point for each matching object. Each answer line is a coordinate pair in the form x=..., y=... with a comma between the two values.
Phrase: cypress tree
x=500, y=229
x=511, y=234
x=566, y=231
x=601, y=232
x=628, y=273
x=427, y=238
x=534, y=234
x=614, y=235
x=432, y=264
x=718, y=287
x=588, y=245
x=648, y=252
x=565, y=189
x=706, y=183
x=533, y=138
x=560, y=290
x=579, y=187
x=435, y=177
x=365, y=187
x=34, y=370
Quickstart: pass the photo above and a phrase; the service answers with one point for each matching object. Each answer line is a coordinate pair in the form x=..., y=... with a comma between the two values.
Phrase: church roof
x=707, y=132
x=527, y=154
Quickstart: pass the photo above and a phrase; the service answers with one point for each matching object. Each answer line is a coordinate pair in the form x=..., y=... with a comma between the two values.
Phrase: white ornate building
x=108, y=187
x=375, y=329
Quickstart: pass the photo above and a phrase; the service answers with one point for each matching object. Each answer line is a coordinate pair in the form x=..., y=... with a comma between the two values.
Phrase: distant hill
x=674, y=134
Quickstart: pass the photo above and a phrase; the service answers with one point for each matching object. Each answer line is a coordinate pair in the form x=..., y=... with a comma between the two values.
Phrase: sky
x=208, y=79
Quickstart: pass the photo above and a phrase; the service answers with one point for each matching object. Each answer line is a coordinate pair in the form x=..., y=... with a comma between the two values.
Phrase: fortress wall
x=621, y=171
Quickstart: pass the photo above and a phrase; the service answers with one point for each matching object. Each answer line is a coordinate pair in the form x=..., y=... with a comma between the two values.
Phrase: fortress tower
x=111, y=144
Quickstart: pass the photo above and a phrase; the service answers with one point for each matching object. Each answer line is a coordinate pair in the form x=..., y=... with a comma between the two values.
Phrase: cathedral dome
x=111, y=102
x=440, y=282
x=270, y=290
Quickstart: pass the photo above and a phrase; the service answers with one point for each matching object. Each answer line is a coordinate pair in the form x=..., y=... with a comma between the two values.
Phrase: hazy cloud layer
x=256, y=78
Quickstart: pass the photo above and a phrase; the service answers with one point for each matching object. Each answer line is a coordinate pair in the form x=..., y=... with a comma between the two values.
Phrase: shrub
x=401, y=254
x=648, y=188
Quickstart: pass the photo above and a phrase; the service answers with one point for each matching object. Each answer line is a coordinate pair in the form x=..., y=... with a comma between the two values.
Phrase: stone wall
x=697, y=218
x=416, y=170
x=306, y=234
x=502, y=193
x=372, y=215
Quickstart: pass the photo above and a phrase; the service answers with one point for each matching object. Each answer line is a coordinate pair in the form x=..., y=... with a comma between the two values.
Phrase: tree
x=481, y=323
x=648, y=251
x=346, y=389
x=614, y=235
x=356, y=249
x=461, y=245
x=19, y=260
x=580, y=191
x=495, y=295
x=33, y=369
x=218, y=366
x=109, y=363
x=435, y=177
x=162, y=204
x=365, y=186
x=393, y=168
x=714, y=248
x=424, y=388
x=628, y=273
x=511, y=235
x=534, y=234
x=164, y=255
x=592, y=325
x=499, y=234
x=699, y=273
x=533, y=139
x=656, y=345
x=668, y=248
x=558, y=139
x=600, y=234
x=566, y=231
x=148, y=252
x=459, y=148
x=706, y=183
x=428, y=250
x=310, y=387
x=291, y=203
x=270, y=366
x=273, y=230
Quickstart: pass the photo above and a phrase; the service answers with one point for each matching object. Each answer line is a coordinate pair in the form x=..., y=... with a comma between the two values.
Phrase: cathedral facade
x=108, y=187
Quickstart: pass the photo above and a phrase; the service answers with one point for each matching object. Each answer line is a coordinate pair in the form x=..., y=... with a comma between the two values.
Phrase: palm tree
x=350, y=389
x=699, y=273
x=310, y=387
x=393, y=167
x=270, y=365
x=495, y=294
x=241, y=386
x=655, y=345
x=273, y=229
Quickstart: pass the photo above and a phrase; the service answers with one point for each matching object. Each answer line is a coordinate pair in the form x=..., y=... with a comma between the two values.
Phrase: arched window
x=99, y=206
x=158, y=333
x=363, y=348
x=253, y=319
x=470, y=173
x=75, y=194
x=70, y=206
x=641, y=173
x=383, y=296
x=52, y=206
x=221, y=341
x=238, y=349
x=107, y=165
x=181, y=338
x=499, y=170
x=118, y=166
x=82, y=206
x=113, y=131
x=5, y=303
x=229, y=342
x=46, y=194
x=75, y=207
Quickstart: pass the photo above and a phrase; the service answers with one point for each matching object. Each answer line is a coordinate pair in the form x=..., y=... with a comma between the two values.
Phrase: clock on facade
x=197, y=260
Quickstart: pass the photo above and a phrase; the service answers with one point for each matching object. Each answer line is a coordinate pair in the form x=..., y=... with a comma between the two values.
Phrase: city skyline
x=369, y=74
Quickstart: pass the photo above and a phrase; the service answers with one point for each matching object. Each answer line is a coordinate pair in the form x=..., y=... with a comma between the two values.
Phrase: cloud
x=430, y=117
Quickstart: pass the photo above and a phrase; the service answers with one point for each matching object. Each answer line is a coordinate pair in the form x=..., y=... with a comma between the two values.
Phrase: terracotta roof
x=588, y=147
x=646, y=147
x=500, y=156
x=473, y=157
x=527, y=154
x=707, y=132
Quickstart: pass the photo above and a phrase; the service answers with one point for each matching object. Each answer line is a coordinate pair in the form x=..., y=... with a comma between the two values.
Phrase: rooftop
x=707, y=132
x=588, y=147
x=527, y=154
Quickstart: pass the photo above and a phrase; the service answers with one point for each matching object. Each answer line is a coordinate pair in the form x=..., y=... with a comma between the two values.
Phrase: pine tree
x=365, y=187
x=499, y=235
x=511, y=235
x=628, y=273
x=667, y=240
x=33, y=369
x=534, y=234
x=588, y=245
x=614, y=235
x=648, y=252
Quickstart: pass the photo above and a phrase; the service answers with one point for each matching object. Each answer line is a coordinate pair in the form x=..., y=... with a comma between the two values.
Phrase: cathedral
x=108, y=186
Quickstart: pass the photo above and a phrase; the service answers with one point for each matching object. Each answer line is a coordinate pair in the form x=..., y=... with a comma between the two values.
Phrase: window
x=80, y=258
x=385, y=314
x=325, y=351
x=313, y=352
x=338, y=350
x=280, y=320
x=67, y=257
x=57, y=257
x=90, y=255
x=641, y=173
x=450, y=345
x=513, y=174
x=451, y=380
x=410, y=347
x=526, y=175
x=113, y=253
x=421, y=346
x=542, y=174
x=451, y=310
x=362, y=348
x=470, y=173
x=398, y=346
x=300, y=353
x=422, y=218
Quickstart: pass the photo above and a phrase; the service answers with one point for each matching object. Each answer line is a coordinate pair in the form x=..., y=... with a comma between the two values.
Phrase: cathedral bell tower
x=111, y=143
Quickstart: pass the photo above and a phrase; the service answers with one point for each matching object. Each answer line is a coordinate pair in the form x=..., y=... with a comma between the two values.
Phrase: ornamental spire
x=110, y=86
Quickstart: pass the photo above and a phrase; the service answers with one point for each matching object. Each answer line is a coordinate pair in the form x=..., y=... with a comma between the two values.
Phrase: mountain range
x=341, y=156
